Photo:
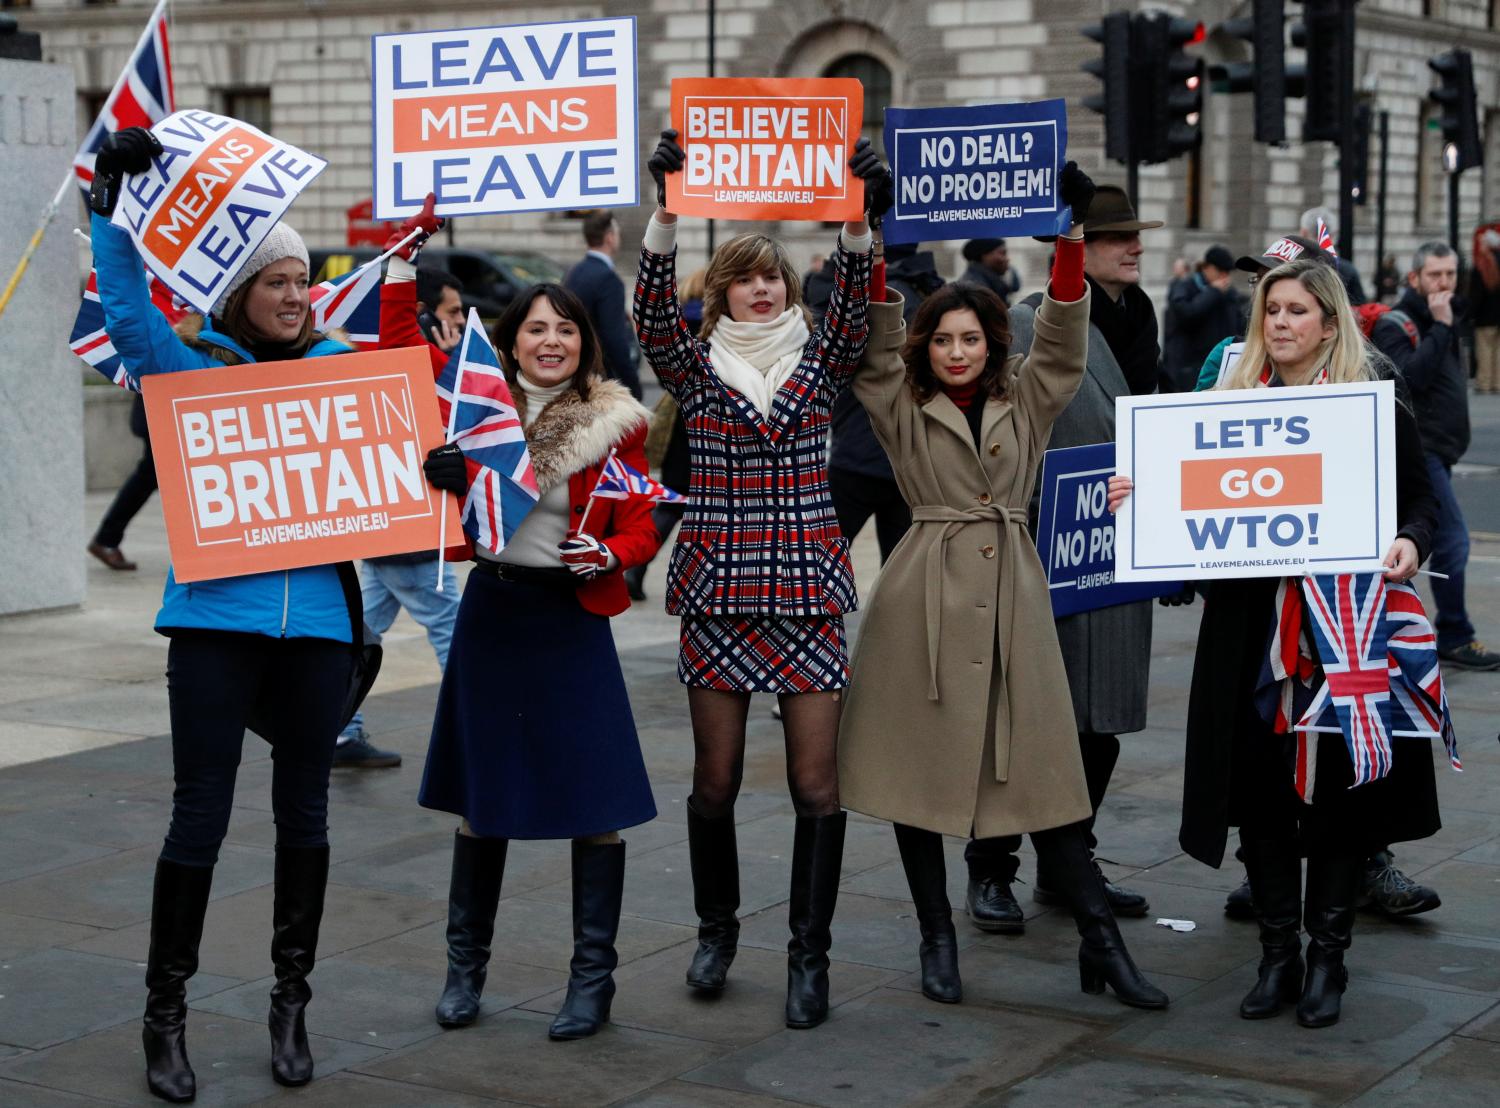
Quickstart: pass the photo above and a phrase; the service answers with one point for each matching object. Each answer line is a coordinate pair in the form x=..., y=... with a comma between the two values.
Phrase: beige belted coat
x=958, y=717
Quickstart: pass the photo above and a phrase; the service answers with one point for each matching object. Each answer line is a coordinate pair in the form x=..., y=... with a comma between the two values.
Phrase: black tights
x=811, y=724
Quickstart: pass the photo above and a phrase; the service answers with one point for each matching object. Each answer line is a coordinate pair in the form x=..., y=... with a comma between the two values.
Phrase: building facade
x=300, y=68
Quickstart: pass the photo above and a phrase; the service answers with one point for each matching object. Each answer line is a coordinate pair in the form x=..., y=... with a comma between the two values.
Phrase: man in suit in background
x=596, y=283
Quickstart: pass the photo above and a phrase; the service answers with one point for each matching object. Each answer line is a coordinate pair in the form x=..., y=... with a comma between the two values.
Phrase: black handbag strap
x=355, y=602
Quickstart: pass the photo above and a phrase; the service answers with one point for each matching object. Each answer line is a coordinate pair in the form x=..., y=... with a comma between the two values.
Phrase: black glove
x=127, y=151
x=446, y=470
x=880, y=189
x=667, y=158
x=1075, y=188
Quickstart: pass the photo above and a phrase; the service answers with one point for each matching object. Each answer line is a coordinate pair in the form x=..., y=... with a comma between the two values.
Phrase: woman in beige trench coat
x=958, y=719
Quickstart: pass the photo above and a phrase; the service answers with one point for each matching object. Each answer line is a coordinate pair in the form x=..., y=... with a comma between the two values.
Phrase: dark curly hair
x=993, y=319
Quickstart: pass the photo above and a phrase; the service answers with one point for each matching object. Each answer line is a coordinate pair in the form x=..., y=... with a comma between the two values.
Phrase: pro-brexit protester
x=278, y=646
x=534, y=736
x=959, y=641
x=760, y=573
x=1239, y=767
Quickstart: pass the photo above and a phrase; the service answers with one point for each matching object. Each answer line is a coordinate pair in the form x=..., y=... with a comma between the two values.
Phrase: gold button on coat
x=987, y=551
x=994, y=450
x=984, y=498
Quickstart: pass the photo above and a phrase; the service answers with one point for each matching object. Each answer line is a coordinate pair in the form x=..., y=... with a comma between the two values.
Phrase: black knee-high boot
x=817, y=854
x=927, y=877
x=715, y=861
x=1275, y=871
x=179, y=900
x=301, y=881
x=473, y=897
x=1102, y=957
x=1333, y=887
x=598, y=888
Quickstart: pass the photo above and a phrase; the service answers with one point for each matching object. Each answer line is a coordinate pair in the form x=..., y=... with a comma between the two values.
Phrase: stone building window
x=250, y=105
x=875, y=76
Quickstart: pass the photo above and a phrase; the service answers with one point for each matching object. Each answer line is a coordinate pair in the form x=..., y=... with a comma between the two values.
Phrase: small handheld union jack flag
x=1325, y=238
x=618, y=481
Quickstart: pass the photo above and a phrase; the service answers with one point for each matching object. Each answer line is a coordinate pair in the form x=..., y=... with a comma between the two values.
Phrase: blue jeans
x=387, y=587
x=1450, y=555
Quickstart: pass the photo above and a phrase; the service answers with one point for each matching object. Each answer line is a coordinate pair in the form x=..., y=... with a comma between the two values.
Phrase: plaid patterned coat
x=759, y=537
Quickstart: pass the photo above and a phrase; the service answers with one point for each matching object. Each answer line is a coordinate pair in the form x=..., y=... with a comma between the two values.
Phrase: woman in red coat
x=534, y=737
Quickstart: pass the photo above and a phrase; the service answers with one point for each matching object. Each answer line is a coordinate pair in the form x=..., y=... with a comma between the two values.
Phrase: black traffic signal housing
x=1169, y=84
x=1112, y=67
x=1327, y=34
x=1267, y=75
x=1460, y=110
x=1359, y=152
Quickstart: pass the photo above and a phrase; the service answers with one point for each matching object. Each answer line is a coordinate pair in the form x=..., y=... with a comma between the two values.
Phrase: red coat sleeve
x=398, y=322
x=628, y=531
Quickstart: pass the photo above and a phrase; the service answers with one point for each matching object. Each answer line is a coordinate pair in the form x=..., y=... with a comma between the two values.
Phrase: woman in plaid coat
x=760, y=573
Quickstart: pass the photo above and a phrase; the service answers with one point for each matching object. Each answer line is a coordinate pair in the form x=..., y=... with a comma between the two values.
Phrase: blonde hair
x=742, y=255
x=692, y=287
x=1345, y=354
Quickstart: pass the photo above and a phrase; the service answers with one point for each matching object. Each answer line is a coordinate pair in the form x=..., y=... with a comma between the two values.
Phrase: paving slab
x=1458, y=1073
x=1127, y=1083
x=344, y=1089
x=510, y=1057
x=893, y=1048
x=34, y=1096
x=684, y=1094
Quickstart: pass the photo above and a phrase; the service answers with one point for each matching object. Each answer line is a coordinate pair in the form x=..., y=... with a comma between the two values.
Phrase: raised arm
x=665, y=339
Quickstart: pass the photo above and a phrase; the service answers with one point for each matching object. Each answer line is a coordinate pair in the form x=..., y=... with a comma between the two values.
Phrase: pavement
x=85, y=782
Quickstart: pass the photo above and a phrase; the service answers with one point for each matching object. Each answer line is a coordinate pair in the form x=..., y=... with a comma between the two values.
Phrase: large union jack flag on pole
x=482, y=420
x=142, y=96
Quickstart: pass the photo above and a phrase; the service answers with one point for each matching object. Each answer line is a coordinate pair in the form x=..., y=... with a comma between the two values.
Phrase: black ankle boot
x=1102, y=957
x=301, y=880
x=1275, y=879
x=715, y=862
x=817, y=854
x=927, y=877
x=473, y=897
x=598, y=886
x=179, y=899
x=1333, y=886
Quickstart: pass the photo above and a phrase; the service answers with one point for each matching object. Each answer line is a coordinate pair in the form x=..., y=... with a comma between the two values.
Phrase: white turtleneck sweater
x=546, y=525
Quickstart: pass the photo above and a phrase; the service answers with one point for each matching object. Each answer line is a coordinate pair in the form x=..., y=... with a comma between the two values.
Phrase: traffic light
x=1460, y=112
x=1170, y=85
x=1327, y=34
x=1266, y=75
x=1113, y=68
x=1359, y=153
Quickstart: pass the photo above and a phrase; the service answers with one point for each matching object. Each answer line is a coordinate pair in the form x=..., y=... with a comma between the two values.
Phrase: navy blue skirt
x=534, y=737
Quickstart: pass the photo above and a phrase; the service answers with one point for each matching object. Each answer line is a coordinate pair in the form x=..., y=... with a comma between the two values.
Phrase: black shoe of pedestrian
x=360, y=753
x=1391, y=892
x=1122, y=902
x=992, y=907
x=111, y=556
x=635, y=582
x=1472, y=655
x=1239, y=904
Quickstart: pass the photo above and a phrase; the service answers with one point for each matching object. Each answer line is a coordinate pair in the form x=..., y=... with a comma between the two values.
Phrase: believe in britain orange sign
x=277, y=465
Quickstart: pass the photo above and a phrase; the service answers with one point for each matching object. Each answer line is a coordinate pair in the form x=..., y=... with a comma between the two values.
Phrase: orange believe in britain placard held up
x=278, y=465
x=767, y=148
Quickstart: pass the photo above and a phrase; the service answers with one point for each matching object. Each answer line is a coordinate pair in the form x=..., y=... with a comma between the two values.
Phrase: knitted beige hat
x=282, y=242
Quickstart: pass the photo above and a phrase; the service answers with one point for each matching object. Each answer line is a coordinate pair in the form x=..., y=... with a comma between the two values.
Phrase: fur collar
x=573, y=433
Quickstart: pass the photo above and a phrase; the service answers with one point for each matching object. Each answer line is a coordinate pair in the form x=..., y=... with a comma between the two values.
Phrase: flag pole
x=458, y=379
x=36, y=240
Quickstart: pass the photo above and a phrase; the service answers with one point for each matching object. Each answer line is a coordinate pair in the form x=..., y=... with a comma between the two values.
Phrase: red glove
x=584, y=555
x=423, y=221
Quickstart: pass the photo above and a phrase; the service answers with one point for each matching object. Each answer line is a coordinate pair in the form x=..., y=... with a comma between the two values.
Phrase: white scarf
x=539, y=396
x=755, y=359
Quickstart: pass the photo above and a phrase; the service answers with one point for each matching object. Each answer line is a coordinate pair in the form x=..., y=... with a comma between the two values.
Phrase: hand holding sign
x=425, y=222
x=865, y=164
x=1076, y=189
x=127, y=151
x=666, y=158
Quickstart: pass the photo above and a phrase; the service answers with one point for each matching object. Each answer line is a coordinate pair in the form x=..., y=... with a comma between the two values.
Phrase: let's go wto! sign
x=209, y=200
x=1256, y=482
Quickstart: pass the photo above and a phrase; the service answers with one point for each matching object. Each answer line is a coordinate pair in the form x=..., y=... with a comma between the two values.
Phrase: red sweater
x=622, y=525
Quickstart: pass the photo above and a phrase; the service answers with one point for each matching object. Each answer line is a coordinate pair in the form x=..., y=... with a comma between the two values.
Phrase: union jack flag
x=476, y=404
x=142, y=96
x=91, y=342
x=619, y=481
x=351, y=302
x=1325, y=238
x=1419, y=700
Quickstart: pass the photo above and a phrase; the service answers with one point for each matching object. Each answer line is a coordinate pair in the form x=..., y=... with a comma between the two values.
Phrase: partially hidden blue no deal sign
x=977, y=172
x=1075, y=533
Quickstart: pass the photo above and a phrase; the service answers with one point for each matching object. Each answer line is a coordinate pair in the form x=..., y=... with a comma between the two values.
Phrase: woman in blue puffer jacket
x=275, y=643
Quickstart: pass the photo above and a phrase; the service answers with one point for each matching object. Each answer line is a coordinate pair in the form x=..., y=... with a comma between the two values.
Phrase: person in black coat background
x=131, y=498
x=1202, y=309
x=594, y=281
x=1238, y=769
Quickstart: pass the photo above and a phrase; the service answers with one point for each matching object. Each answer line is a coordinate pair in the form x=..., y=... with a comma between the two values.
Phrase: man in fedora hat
x=1107, y=652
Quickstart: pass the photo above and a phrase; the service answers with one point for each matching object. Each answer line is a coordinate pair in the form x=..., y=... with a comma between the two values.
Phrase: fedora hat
x=1111, y=211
